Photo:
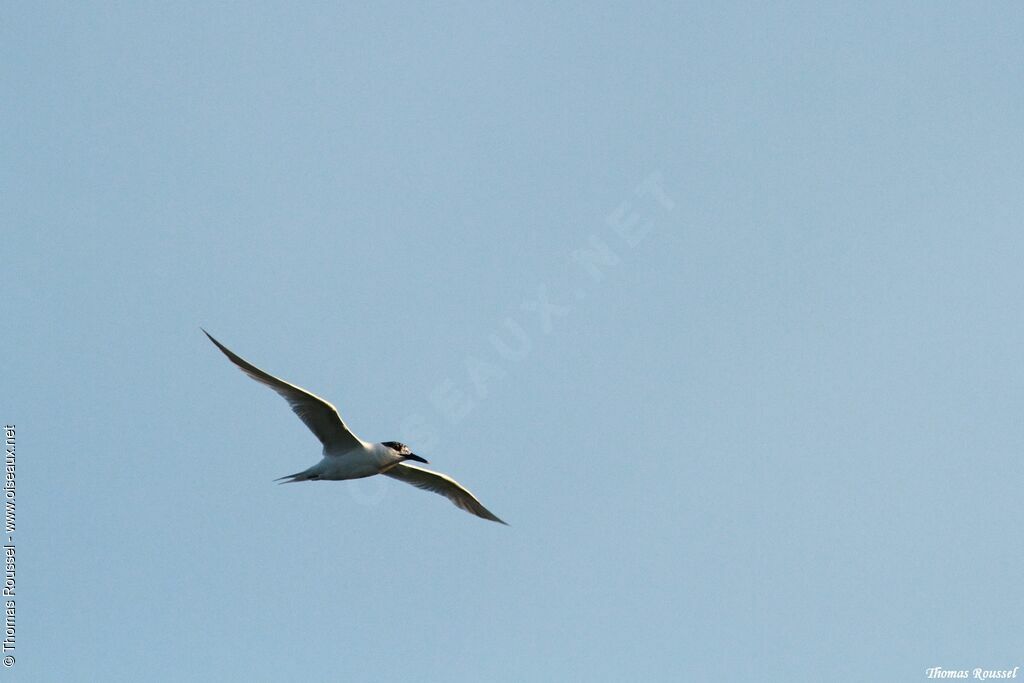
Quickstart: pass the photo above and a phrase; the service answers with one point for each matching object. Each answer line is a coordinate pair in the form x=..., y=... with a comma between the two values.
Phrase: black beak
x=413, y=456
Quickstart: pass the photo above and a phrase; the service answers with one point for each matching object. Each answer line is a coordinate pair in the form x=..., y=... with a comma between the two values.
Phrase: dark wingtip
x=217, y=344
x=492, y=517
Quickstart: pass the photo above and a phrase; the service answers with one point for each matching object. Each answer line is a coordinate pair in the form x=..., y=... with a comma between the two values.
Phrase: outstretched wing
x=320, y=416
x=445, y=485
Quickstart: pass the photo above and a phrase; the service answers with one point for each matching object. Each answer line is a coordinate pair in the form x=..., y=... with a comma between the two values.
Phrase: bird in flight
x=346, y=456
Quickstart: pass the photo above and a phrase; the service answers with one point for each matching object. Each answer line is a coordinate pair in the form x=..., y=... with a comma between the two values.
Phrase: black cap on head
x=403, y=450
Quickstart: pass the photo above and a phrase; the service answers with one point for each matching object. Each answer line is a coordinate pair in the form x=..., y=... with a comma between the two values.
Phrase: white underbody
x=366, y=461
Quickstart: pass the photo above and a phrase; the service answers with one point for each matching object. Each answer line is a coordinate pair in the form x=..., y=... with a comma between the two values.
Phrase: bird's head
x=403, y=451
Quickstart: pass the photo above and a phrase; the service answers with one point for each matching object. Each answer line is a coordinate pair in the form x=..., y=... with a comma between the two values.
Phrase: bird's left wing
x=444, y=485
x=320, y=416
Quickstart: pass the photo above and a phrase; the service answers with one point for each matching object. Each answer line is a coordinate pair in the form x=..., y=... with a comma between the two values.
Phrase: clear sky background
x=755, y=274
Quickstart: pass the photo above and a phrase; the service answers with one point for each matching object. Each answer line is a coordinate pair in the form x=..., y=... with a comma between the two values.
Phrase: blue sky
x=718, y=306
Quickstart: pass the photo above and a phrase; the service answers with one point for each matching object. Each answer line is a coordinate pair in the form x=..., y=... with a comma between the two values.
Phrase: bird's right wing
x=320, y=416
x=442, y=484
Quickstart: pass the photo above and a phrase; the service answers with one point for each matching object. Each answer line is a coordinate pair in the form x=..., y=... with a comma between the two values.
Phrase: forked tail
x=298, y=476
